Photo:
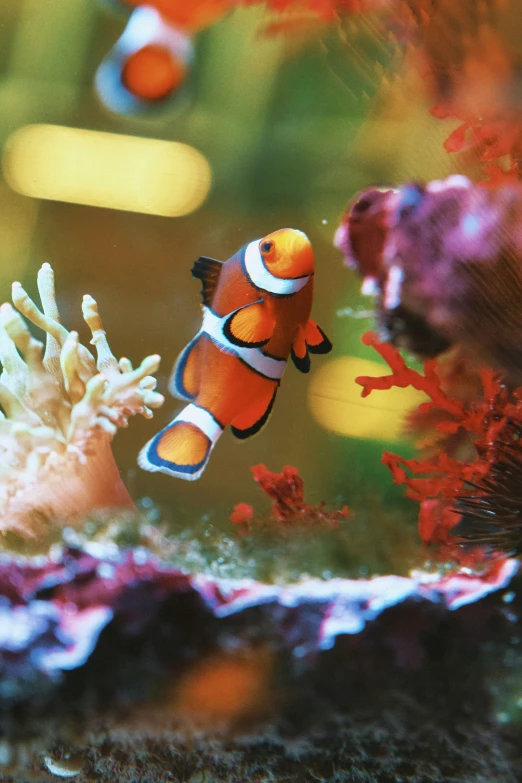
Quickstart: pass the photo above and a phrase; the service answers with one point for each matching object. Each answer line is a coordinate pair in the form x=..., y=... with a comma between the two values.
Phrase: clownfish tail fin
x=183, y=448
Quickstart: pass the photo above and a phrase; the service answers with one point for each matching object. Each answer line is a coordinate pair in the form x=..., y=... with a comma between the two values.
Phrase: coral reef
x=61, y=409
x=459, y=380
x=473, y=236
x=496, y=143
x=474, y=81
x=470, y=452
x=481, y=488
x=468, y=54
x=116, y=666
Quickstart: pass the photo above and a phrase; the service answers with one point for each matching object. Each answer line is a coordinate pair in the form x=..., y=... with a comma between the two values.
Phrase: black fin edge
x=258, y=425
x=164, y=465
x=323, y=347
x=235, y=340
x=302, y=363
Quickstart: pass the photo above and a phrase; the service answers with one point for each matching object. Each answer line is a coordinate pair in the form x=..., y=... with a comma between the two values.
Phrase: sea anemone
x=61, y=409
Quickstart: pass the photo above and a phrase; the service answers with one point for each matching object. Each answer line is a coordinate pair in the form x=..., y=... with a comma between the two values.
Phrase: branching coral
x=466, y=52
x=61, y=409
x=495, y=140
x=443, y=485
x=470, y=60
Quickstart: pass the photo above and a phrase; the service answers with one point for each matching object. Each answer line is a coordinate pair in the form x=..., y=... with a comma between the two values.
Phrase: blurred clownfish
x=150, y=60
x=256, y=309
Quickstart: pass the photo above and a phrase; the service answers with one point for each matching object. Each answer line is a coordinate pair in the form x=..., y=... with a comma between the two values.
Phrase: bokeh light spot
x=106, y=170
x=336, y=403
x=227, y=687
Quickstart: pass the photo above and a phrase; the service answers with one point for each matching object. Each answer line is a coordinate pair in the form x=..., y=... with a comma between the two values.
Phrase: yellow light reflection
x=336, y=403
x=106, y=170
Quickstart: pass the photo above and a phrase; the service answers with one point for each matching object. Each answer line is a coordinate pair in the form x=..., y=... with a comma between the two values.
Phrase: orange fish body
x=150, y=60
x=256, y=314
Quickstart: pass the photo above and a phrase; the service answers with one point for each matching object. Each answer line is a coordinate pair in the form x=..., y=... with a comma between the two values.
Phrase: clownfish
x=256, y=314
x=150, y=61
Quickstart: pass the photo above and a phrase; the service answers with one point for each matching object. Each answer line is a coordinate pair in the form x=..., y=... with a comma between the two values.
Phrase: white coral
x=61, y=408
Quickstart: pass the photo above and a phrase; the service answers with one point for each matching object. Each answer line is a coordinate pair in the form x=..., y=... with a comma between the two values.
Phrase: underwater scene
x=261, y=391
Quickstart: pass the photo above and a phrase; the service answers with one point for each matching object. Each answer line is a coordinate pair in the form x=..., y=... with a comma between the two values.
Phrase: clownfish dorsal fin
x=252, y=420
x=250, y=326
x=316, y=340
x=207, y=270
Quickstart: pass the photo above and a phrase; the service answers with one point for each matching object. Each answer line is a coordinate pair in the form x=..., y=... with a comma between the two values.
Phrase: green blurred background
x=291, y=129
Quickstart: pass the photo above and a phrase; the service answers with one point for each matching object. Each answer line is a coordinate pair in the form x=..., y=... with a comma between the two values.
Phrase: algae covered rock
x=118, y=666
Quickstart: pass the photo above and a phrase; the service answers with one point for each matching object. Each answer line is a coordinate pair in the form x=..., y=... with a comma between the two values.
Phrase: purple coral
x=445, y=264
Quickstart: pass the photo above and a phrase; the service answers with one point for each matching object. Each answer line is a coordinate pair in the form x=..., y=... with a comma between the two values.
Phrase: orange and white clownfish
x=148, y=65
x=256, y=313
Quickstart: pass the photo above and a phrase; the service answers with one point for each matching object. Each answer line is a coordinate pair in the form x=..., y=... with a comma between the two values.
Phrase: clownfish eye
x=266, y=247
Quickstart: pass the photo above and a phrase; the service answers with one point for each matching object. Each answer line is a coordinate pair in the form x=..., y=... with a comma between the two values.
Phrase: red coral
x=489, y=138
x=326, y=9
x=470, y=68
x=286, y=490
x=501, y=176
x=242, y=514
x=460, y=380
x=461, y=51
x=403, y=376
x=438, y=481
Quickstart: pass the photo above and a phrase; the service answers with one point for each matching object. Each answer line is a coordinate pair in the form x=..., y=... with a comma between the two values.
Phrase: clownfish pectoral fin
x=253, y=419
x=250, y=326
x=207, y=270
x=316, y=339
x=299, y=352
x=183, y=448
x=184, y=381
